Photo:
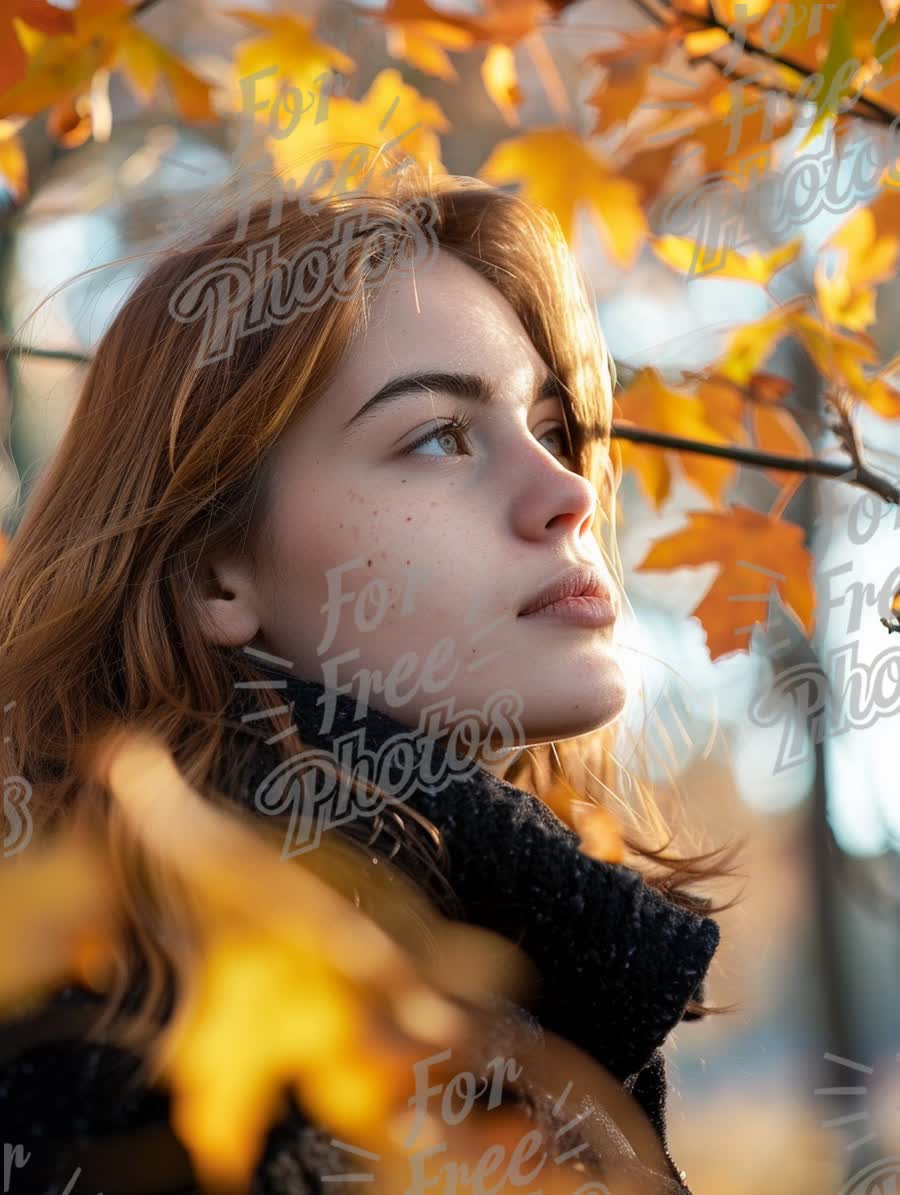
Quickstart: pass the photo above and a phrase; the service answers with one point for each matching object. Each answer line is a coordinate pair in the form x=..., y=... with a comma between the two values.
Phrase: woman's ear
x=228, y=599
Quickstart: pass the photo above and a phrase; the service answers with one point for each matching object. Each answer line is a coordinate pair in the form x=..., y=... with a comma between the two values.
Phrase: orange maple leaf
x=627, y=74
x=744, y=543
x=38, y=15
x=506, y=21
x=711, y=418
x=60, y=68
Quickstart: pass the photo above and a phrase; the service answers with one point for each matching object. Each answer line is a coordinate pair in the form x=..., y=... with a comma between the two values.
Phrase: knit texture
x=617, y=962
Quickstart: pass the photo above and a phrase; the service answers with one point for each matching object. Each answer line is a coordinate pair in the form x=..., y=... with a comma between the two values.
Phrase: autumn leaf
x=847, y=297
x=751, y=345
x=145, y=64
x=559, y=171
x=745, y=544
x=498, y=73
x=776, y=430
x=66, y=919
x=733, y=12
x=421, y=35
x=506, y=21
x=705, y=41
x=728, y=121
x=681, y=253
x=284, y=54
x=856, y=59
x=71, y=122
x=599, y=833
x=287, y=1020
x=770, y=387
x=13, y=163
x=303, y=991
x=649, y=402
x=626, y=79
x=60, y=68
x=36, y=14
x=391, y=114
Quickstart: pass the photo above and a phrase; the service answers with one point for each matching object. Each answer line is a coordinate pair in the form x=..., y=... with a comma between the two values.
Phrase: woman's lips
x=582, y=611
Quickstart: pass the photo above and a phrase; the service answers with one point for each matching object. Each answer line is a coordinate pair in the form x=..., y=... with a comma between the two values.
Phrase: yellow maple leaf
x=284, y=55
x=684, y=254
x=733, y=12
x=501, y=81
x=13, y=163
x=744, y=543
x=304, y=991
x=848, y=297
x=558, y=170
x=392, y=115
x=61, y=917
x=599, y=832
x=750, y=345
x=841, y=357
x=287, y=1019
x=424, y=45
x=648, y=402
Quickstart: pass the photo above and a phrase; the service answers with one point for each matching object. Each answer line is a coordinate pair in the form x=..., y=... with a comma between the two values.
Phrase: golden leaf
x=498, y=72
x=355, y=132
x=649, y=402
x=60, y=68
x=13, y=163
x=559, y=171
x=285, y=54
x=599, y=832
x=27, y=14
x=848, y=297
x=681, y=253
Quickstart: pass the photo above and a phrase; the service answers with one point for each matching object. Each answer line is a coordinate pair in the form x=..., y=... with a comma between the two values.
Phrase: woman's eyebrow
x=469, y=386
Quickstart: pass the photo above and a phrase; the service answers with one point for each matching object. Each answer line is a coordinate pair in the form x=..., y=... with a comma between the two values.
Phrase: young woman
x=340, y=489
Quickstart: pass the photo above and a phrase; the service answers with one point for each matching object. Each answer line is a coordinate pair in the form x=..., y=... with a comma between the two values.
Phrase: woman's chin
x=564, y=707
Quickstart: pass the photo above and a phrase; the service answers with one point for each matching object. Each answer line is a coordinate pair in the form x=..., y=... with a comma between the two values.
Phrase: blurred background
x=799, y=1091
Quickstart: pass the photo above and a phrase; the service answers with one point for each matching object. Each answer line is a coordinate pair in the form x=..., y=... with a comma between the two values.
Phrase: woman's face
x=396, y=570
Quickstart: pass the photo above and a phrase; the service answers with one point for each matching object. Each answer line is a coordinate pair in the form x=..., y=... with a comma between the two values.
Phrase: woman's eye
x=451, y=434
x=454, y=435
x=560, y=433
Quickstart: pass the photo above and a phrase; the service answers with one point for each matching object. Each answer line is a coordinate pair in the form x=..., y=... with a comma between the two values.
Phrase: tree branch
x=856, y=472
x=869, y=109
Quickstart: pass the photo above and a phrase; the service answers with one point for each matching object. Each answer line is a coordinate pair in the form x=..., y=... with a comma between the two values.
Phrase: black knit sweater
x=617, y=961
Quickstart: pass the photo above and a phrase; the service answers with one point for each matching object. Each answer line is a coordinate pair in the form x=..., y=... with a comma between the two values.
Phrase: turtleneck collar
x=618, y=960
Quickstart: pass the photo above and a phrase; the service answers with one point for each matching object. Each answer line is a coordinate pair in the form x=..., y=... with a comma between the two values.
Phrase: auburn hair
x=164, y=458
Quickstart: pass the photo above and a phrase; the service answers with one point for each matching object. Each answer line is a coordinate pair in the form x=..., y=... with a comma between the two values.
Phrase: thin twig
x=856, y=472
x=810, y=465
x=142, y=7
x=26, y=350
x=873, y=110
